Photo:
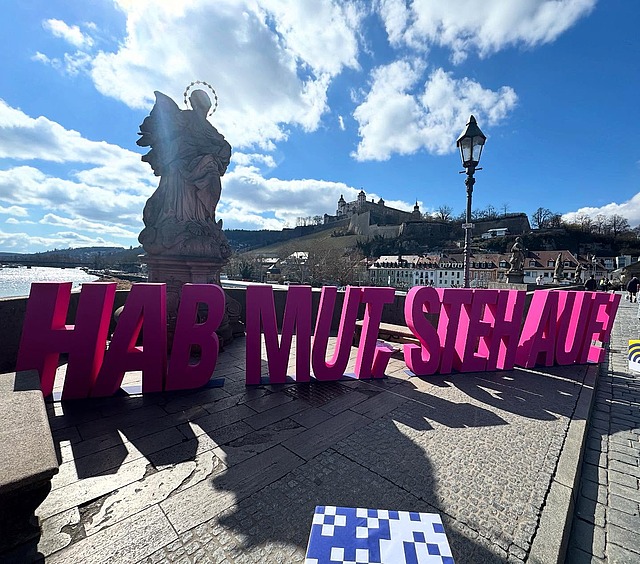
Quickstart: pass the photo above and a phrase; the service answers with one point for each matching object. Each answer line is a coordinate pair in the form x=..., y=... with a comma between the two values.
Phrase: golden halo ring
x=214, y=107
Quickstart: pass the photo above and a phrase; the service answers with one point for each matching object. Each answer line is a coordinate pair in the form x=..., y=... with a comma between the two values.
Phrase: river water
x=17, y=281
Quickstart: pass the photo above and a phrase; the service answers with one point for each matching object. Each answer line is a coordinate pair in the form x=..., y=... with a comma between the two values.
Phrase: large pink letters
x=145, y=307
x=477, y=330
x=334, y=368
x=45, y=335
x=422, y=359
x=573, y=316
x=262, y=313
x=368, y=351
x=182, y=374
x=538, y=338
x=603, y=311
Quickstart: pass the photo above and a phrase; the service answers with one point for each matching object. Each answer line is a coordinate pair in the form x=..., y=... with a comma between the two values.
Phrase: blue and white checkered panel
x=346, y=535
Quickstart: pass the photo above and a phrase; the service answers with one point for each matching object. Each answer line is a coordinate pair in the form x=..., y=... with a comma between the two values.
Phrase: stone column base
x=515, y=277
x=174, y=271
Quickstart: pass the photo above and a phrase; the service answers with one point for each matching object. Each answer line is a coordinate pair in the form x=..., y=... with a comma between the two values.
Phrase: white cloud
x=26, y=185
x=485, y=27
x=25, y=138
x=24, y=242
x=249, y=197
x=84, y=225
x=341, y=123
x=256, y=159
x=629, y=210
x=69, y=33
x=15, y=211
x=272, y=62
x=14, y=221
x=397, y=117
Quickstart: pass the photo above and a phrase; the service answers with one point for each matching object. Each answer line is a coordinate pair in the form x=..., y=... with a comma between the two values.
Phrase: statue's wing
x=159, y=130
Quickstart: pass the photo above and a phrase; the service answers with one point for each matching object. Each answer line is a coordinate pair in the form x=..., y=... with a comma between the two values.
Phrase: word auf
x=93, y=370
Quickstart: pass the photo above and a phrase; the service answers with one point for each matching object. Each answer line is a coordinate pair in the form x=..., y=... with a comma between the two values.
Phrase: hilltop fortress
x=371, y=218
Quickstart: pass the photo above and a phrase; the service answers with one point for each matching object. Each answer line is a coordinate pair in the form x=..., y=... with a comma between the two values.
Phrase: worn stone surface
x=233, y=474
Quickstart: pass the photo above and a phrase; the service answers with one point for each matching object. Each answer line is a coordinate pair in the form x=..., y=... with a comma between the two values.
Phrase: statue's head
x=200, y=101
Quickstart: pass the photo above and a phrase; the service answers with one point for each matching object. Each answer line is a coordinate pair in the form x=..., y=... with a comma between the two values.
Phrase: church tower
x=341, y=206
x=362, y=198
x=416, y=211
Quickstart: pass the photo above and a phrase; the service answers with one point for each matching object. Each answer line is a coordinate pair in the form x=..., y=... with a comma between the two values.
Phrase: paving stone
x=268, y=401
x=313, y=441
x=624, y=520
x=591, y=511
x=344, y=402
x=138, y=496
x=629, y=539
x=203, y=501
x=578, y=556
x=623, y=479
x=108, y=460
x=258, y=441
x=631, y=494
x=275, y=414
x=588, y=538
x=379, y=405
x=595, y=473
x=630, y=469
x=619, y=555
x=125, y=542
x=310, y=417
x=595, y=457
x=622, y=504
x=82, y=491
x=54, y=537
x=95, y=428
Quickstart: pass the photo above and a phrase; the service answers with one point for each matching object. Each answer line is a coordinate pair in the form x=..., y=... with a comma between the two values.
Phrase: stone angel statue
x=190, y=156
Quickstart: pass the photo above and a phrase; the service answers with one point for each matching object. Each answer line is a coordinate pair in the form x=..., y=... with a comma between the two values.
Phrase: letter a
x=146, y=306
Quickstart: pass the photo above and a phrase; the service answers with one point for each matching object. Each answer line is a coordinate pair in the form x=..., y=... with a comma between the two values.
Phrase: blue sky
x=318, y=98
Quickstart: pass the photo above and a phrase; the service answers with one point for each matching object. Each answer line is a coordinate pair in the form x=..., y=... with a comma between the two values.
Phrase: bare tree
x=555, y=220
x=584, y=222
x=617, y=224
x=540, y=218
x=443, y=213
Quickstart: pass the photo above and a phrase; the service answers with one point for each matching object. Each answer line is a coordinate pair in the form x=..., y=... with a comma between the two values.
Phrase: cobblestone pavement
x=606, y=526
x=233, y=474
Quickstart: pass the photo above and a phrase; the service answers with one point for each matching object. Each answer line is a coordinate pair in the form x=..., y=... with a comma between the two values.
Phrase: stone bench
x=388, y=332
x=27, y=457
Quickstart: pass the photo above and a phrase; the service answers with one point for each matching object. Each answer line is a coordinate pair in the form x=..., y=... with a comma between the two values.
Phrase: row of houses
x=443, y=270
x=447, y=270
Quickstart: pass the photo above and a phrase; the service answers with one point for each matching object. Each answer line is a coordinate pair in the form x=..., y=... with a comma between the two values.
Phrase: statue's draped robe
x=190, y=156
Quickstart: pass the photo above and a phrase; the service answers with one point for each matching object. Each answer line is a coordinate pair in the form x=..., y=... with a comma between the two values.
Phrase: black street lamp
x=470, y=143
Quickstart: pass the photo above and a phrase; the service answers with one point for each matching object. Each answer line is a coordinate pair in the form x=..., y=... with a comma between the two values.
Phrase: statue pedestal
x=174, y=271
x=515, y=277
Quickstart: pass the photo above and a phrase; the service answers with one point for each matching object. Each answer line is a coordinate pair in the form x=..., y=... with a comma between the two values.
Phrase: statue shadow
x=374, y=464
x=263, y=457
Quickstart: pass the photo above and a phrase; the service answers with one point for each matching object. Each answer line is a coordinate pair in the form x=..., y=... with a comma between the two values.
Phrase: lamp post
x=470, y=143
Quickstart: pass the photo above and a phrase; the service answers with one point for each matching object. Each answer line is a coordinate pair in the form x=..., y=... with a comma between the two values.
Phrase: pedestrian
x=591, y=285
x=632, y=288
x=602, y=286
x=539, y=280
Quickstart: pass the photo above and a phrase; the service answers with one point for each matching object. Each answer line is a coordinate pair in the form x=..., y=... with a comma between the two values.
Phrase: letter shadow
x=245, y=467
